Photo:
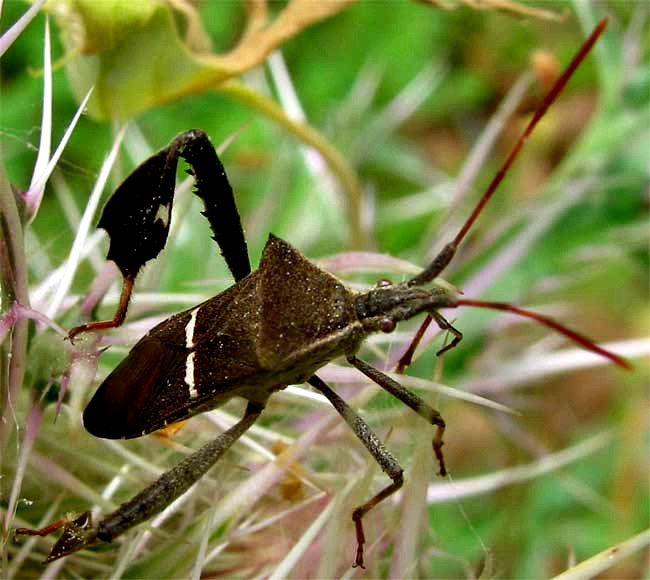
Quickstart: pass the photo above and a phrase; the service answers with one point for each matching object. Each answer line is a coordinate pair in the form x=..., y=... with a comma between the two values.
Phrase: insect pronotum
x=275, y=326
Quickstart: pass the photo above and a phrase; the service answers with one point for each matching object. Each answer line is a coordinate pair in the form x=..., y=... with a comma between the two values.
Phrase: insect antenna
x=440, y=262
x=576, y=337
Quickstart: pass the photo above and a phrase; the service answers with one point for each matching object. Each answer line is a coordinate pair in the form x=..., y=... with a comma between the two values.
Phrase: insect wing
x=188, y=364
x=118, y=405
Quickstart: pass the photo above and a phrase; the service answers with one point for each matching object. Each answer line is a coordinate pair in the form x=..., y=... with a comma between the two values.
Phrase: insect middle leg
x=382, y=456
x=411, y=400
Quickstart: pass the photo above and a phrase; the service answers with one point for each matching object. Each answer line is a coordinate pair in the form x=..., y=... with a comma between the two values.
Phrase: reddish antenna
x=576, y=337
x=440, y=262
x=539, y=113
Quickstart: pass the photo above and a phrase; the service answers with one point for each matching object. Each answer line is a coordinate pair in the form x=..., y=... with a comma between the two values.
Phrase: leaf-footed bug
x=275, y=326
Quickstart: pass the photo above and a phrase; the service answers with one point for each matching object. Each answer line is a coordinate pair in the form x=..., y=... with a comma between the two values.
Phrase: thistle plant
x=546, y=445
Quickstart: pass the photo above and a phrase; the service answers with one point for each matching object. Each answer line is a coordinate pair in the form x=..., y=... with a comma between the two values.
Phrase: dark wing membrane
x=116, y=408
x=213, y=376
x=190, y=363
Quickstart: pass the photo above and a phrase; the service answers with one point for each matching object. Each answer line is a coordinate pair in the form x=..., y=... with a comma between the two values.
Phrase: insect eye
x=383, y=283
x=387, y=325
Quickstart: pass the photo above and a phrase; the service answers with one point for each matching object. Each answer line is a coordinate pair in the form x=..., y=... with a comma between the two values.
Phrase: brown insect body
x=275, y=327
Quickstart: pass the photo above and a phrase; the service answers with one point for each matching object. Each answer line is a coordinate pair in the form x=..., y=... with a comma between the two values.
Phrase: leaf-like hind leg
x=137, y=216
x=120, y=313
x=80, y=532
x=411, y=400
x=176, y=481
x=382, y=456
x=213, y=187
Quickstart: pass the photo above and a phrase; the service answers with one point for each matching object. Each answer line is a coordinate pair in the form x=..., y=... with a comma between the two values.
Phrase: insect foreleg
x=406, y=359
x=382, y=456
x=444, y=324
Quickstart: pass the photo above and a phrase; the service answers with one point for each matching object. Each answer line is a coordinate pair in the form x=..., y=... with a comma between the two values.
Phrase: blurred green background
x=403, y=90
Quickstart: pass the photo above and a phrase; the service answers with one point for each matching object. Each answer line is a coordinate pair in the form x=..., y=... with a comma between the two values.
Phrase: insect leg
x=120, y=313
x=213, y=187
x=137, y=216
x=444, y=324
x=176, y=481
x=411, y=400
x=407, y=358
x=157, y=496
x=382, y=456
